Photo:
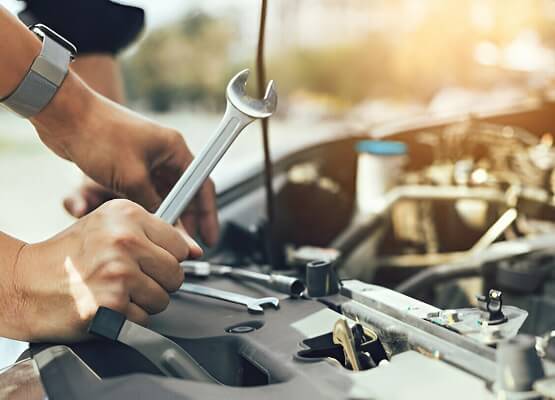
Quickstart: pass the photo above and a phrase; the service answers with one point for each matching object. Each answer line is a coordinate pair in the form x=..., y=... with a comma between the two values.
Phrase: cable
x=268, y=169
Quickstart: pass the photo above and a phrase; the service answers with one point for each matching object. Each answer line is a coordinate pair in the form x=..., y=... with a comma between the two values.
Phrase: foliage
x=188, y=62
x=182, y=63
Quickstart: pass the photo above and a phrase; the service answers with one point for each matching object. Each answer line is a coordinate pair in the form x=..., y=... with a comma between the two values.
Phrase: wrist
x=29, y=289
x=22, y=53
x=14, y=310
x=61, y=122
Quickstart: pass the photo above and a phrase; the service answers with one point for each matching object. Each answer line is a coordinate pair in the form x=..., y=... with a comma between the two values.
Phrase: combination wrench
x=252, y=304
x=240, y=111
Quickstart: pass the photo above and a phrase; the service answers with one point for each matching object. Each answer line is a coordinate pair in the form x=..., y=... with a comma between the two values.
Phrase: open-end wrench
x=252, y=304
x=240, y=111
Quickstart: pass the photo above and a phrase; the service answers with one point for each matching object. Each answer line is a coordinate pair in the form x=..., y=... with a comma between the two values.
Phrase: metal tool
x=241, y=110
x=343, y=336
x=281, y=283
x=252, y=304
x=169, y=357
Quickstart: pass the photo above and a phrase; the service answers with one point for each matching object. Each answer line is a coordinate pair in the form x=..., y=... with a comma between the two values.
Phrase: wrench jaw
x=256, y=306
x=255, y=108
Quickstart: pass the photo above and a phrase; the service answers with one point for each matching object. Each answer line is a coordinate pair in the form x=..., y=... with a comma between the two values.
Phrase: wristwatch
x=45, y=76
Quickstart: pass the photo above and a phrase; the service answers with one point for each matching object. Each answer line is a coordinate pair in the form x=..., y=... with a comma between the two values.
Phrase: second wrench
x=252, y=304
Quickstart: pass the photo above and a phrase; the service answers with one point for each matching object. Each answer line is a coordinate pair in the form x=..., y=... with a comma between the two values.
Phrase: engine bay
x=445, y=289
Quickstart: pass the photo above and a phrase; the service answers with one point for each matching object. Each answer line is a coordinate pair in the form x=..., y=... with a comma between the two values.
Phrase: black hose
x=438, y=274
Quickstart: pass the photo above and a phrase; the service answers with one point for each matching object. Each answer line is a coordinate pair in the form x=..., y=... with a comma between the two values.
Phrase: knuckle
x=118, y=273
x=162, y=304
x=175, y=138
x=176, y=279
x=124, y=240
x=119, y=204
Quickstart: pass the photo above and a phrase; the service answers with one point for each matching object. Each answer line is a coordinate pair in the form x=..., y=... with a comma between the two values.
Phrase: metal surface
x=241, y=110
x=252, y=304
x=381, y=308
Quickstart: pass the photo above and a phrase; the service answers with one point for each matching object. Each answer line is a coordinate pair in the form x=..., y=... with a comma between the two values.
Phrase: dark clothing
x=93, y=26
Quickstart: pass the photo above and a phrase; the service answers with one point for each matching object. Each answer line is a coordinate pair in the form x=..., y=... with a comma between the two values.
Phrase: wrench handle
x=194, y=176
x=215, y=293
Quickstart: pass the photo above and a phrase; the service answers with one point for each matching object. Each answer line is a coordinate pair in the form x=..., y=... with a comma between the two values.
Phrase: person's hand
x=87, y=197
x=123, y=151
x=119, y=256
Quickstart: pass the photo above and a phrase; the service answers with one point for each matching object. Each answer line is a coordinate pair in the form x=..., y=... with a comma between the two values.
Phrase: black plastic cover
x=107, y=323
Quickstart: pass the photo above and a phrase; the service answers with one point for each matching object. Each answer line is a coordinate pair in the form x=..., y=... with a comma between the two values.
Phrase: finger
x=136, y=314
x=75, y=205
x=159, y=265
x=177, y=243
x=149, y=295
x=87, y=198
x=189, y=221
x=207, y=213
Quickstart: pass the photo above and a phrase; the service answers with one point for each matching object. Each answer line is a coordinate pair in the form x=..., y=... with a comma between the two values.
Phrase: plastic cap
x=382, y=147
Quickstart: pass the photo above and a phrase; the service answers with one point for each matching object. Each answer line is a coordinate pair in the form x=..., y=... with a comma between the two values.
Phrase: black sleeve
x=94, y=26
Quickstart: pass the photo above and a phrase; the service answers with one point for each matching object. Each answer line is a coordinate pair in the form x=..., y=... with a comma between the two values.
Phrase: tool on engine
x=241, y=110
x=281, y=283
x=321, y=279
x=171, y=359
x=252, y=304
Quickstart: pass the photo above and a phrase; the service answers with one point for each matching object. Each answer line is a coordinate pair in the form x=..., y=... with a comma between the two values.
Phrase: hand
x=119, y=256
x=87, y=197
x=123, y=151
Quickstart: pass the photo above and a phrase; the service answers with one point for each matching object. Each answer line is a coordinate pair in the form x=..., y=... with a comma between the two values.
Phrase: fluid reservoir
x=380, y=164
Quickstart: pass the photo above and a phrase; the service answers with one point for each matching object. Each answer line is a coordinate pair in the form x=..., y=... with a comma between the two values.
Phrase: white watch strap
x=42, y=81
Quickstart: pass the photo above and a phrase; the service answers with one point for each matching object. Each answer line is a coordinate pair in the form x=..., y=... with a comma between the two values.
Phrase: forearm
x=67, y=109
x=18, y=48
x=10, y=304
x=102, y=73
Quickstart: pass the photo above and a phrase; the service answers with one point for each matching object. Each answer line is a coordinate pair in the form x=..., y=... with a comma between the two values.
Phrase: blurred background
x=340, y=65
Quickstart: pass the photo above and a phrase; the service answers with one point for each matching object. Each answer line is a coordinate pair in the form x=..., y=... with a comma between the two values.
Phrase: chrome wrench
x=252, y=304
x=240, y=111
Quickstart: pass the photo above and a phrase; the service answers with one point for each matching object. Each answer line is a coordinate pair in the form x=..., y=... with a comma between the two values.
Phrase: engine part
x=492, y=308
x=321, y=279
x=343, y=336
x=518, y=365
x=165, y=354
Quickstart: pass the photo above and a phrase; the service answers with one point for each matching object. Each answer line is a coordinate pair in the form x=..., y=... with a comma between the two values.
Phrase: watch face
x=42, y=30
